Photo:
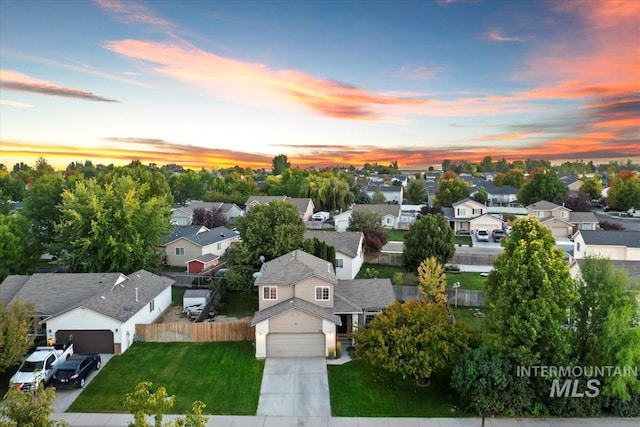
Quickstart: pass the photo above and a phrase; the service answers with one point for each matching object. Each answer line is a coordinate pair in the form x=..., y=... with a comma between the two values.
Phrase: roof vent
x=127, y=307
x=221, y=234
x=102, y=297
x=328, y=267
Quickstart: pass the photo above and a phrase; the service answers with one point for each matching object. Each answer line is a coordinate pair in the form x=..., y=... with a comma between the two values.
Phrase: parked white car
x=482, y=235
x=321, y=216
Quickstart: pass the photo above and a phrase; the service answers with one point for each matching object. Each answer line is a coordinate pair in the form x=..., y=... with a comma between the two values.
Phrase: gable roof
x=111, y=294
x=382, y=209
x=10, y=287
x=467, y=200
x=302, y=204
x=545, y=205
x=199, y=235
x=293, y=267
x=204, y=258
x=347, y=242
x=369, y=294
x=299, y=304
x=630, y=239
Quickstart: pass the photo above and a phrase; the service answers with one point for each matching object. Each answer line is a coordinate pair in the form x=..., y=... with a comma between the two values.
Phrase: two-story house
x=562, y=222
x=305, y=206
x=349, y=250
x=467, y=215
x=194, y=242
x=302, y=306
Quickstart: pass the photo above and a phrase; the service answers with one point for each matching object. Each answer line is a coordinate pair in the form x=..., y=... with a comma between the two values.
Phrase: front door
x=342, y=329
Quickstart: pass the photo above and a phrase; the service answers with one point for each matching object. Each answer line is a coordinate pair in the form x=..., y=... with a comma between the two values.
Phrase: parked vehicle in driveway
x=40, y=366
x=321, y=216
x=482, y=235
x=74, y=371
x=498, y=235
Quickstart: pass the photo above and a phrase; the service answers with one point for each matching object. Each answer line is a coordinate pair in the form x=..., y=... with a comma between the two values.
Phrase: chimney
x=136, y=294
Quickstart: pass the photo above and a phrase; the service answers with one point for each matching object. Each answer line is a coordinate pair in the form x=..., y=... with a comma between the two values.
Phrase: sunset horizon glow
x=217, y=84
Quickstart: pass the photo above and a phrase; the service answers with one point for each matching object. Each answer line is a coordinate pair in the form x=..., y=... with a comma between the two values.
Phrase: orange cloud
x=130, y=12
x=255, y=84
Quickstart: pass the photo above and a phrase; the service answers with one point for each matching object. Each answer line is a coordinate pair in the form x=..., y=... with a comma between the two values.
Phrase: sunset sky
x=221, y=83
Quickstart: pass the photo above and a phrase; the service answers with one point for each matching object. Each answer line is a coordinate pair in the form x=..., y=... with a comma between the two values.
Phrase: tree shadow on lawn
x=359, y=390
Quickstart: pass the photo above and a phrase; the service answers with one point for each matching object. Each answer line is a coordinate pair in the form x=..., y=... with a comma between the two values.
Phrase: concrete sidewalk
x=121, y=420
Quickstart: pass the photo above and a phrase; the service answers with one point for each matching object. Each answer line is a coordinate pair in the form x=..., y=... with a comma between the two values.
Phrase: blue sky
x=219, y=83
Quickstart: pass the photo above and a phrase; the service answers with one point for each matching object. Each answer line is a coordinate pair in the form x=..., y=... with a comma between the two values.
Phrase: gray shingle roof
x=295, y=303
x=384, y=188
x=630, y=239
x=205, y=258
x=56, y=293
x=581, y=217
x=370, y=294
x=10, y=287
x=341, y=305
x=293, y=267
x=544, y=205
x=190, y=233
x=383, y=210
x=347, y=242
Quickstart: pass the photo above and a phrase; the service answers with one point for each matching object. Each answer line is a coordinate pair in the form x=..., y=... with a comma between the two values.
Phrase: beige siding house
x=390, y=214
x=562, y=222
x=190, y=242
x=298, y=294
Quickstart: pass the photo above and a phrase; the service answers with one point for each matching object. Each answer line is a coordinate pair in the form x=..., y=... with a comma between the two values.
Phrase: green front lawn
x=463, y=240
x=466, y=315
x=359, y=390
x=468, y=280
x=225, y=376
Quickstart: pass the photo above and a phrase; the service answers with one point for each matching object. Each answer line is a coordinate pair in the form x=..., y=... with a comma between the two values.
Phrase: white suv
x=482, y=235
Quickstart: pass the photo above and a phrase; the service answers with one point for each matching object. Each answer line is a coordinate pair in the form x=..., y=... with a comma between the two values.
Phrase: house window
x=477, y=212
x=179, y=251
x=577, y=246
x=388, y=220
x=564, y=214
x=219, y=246
x=270, y=293
x=152, y=306
x=368, y=318
x=540, y=214
x=322, y=293
x=339, y=263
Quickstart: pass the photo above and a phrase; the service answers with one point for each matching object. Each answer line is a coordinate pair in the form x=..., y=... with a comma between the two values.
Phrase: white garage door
x=295, y=345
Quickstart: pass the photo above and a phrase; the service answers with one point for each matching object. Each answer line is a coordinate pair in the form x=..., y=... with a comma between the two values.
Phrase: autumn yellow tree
x=432, y=281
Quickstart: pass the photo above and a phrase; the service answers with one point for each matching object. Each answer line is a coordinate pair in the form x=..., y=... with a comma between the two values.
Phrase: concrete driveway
x=295, y=387
x=65, y=397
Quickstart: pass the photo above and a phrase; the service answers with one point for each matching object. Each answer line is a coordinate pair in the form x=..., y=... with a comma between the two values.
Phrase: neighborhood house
x=303, y=307
x=98, y=312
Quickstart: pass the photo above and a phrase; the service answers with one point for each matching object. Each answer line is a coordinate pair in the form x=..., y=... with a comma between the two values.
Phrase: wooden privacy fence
x=465, y=297
x=240, y=330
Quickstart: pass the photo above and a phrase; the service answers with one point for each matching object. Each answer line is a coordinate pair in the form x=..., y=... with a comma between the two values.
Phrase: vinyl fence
x=240, y=330
x=465, y=297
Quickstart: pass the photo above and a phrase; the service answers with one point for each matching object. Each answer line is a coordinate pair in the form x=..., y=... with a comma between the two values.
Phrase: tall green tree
x=625, y=191
x=592, y=188
x=545, y=185
x=267, y=231
x=411, y=339
x=117, y=226
x=16, y=333
x=280, y=163
x=416, y=191
x=19, y=248
x=530, y=292
x=361, y=219
x=481, y=196
x=513, y=177
x=607, y=323
x=429, y=236
x=187, y=186
x=41, y=206
x=450, y=191
x=378, y=197
x=152, y=182
x=432, y=281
